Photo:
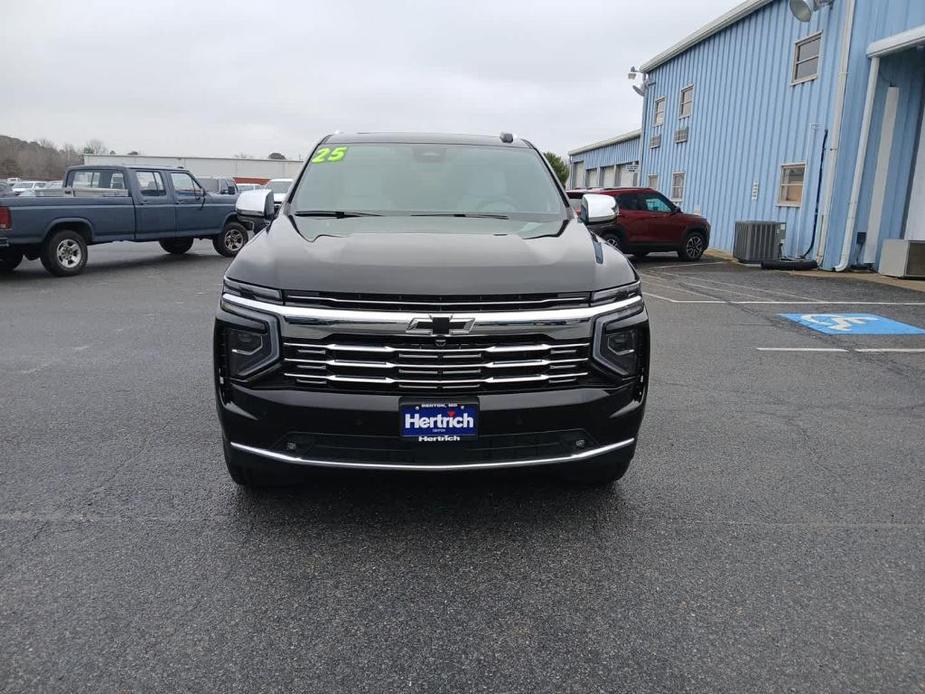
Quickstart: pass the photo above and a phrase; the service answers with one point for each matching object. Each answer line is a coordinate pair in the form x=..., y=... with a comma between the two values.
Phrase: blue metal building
x=613, y=162
x=816, y=124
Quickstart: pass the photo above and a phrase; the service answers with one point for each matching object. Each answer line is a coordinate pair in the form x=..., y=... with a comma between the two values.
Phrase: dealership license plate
x=435, y=422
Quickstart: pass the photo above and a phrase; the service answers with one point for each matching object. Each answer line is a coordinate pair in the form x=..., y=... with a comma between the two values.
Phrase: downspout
x=841, y=88
x=859, y=163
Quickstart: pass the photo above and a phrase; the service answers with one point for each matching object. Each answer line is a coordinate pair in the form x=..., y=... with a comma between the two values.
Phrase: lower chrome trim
x=296, y=460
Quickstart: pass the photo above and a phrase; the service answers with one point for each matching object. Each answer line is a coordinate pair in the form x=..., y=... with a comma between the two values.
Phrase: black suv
x=429, y=303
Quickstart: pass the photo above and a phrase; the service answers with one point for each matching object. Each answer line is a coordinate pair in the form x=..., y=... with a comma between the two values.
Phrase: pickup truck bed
x=100, y=204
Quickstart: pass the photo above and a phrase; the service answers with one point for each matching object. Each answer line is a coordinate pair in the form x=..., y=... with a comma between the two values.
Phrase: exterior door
x=192, y=210
x=915, y=217
x=660, y=226
x=155, y=214
x=632, y=218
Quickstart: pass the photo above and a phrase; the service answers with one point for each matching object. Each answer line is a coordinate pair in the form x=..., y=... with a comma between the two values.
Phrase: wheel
x=617, y=239
x=177, y=246
x=10, y=258
x=600, y=471
x=64, y=254
x=248, y=471
x=693, y=246
x=231, y=240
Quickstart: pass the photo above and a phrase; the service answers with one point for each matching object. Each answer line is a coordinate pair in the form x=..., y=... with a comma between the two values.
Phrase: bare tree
x=242, y=155
x=95, y=146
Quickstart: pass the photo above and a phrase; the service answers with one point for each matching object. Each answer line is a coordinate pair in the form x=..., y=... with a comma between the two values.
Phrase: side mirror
x=255, y=204
x=597, y=208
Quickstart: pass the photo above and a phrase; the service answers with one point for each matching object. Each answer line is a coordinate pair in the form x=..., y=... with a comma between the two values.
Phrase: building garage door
x=609, y=176
x=626, y=175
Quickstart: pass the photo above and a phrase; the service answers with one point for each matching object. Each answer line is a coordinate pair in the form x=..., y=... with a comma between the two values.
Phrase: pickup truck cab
x=100, y=204
x=429, y=303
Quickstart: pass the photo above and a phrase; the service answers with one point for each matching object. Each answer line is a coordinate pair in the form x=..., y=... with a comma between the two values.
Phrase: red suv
x=647, y=221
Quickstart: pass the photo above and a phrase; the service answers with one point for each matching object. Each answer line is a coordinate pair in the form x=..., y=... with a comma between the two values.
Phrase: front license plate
x=435, y=422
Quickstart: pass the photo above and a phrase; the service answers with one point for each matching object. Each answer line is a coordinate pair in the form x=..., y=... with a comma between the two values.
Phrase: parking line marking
x=801, y=349
x=788, y=303
x=682, y=267
x=779, y=292
x=664, y=285
x=909, y=350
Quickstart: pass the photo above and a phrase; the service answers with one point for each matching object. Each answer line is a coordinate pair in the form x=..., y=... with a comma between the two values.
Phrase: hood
x=429, y=255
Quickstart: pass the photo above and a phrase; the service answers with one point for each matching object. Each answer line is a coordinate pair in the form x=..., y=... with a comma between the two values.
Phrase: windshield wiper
x=339, y=214
x=476, y=215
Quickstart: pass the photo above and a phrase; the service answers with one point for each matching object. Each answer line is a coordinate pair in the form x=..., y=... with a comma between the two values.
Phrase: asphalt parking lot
x=769, y=536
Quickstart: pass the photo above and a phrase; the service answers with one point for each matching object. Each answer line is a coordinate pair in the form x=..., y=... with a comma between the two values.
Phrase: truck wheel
x=617, y=239
x=10, y=258
x=177, y=246
x=64, y=254
x=231, y=240
x=693, y=246
x=600, y=471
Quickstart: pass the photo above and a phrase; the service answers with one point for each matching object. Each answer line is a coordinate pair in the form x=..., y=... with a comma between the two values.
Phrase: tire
x=10, y=258
x=617, y=239
x=600, y=471
x=245, y=470
x=64, y=254
x=177, y=246
x=693, y=246
x=231, y=240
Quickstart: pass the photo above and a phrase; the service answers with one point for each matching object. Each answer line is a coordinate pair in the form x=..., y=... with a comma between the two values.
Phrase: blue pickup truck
x=99, y=204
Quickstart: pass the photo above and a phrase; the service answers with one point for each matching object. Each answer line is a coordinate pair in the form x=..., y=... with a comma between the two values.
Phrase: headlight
x=618, y=349
x=248, y=351
x=619, y=340
x=607, y=296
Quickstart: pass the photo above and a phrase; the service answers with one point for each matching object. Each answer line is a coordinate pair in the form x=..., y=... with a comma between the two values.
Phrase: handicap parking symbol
x=853, y=324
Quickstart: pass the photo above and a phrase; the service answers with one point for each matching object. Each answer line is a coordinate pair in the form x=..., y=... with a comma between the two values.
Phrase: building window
x=677, y=186
x=687, y=101
x=659, y=111
x=655, y=141
x=806, y=59
x=653, y=181
x=791, y=185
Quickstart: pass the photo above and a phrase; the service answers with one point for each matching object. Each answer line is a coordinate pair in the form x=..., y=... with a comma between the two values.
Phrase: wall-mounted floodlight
x=631, y=75
x=803, y=9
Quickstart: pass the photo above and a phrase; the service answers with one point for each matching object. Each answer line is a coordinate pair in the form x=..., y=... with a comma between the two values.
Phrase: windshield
x=280, y=186
x=421, y=179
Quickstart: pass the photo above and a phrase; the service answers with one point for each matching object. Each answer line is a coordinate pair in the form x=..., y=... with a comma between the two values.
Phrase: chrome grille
x=437, y=304
x=417, y=366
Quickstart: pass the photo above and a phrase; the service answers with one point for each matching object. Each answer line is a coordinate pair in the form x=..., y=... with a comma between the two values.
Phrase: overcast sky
x=219, y=78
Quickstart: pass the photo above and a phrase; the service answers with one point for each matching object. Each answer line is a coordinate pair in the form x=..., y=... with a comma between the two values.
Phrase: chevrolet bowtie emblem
x=440, y=325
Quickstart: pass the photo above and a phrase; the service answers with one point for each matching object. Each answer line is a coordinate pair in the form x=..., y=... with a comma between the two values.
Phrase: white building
x=242, y=170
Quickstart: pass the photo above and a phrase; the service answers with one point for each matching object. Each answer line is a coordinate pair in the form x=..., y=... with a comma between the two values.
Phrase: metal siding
x=875, y=20
x=747, y=121
x=612, y=155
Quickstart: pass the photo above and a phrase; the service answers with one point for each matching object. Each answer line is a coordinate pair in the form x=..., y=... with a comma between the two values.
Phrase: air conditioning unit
x=681, y=135
x=756, y=241
x=655, y=141
x=900, y=258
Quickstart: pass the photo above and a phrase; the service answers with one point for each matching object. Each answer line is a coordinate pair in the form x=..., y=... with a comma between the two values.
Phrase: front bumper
x=361, y=430
x=267, y=420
